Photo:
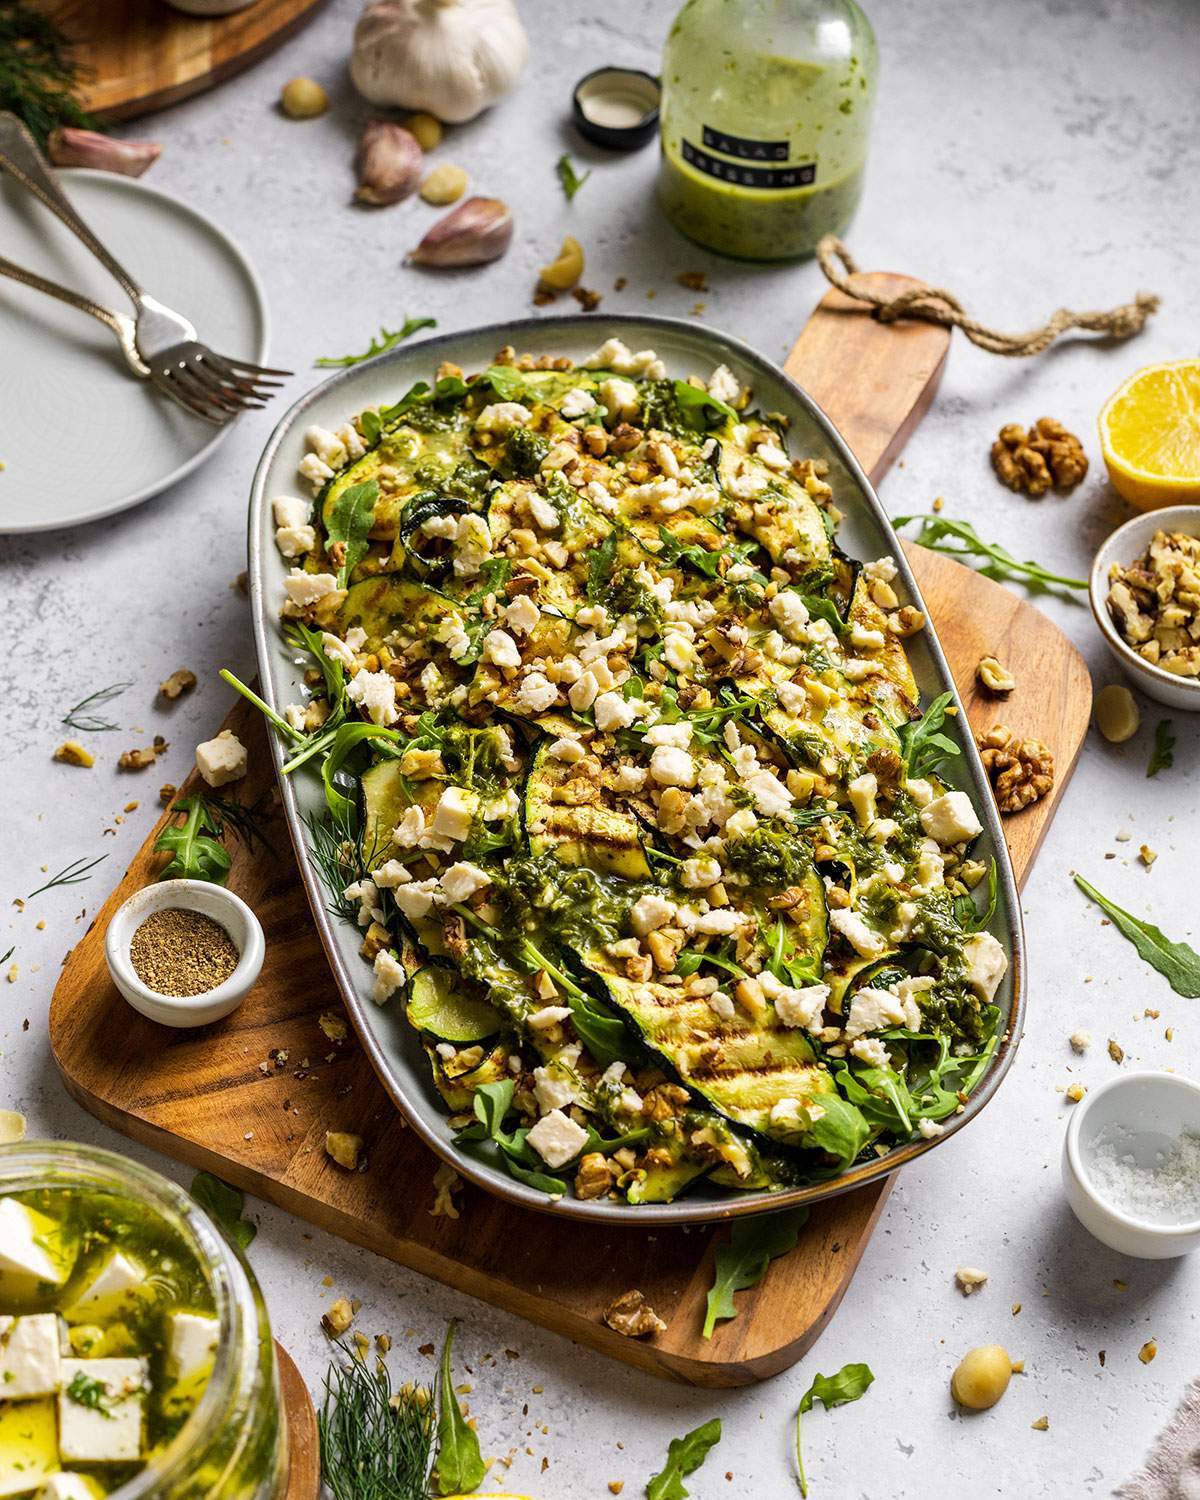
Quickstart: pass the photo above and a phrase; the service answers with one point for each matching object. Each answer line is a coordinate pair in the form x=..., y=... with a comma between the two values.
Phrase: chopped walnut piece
x=997, y=679
x=181, y=681
x=1116, y=1051
x=446, y=1181
x=333, y=1025
x=72, y=753
x=630, y=1314
x=1147, y=855
x=595, y=1176
x=343, y=1148
x=1041, y=1425
x=1155, y=603
x=1021, y=770
x=137, y=760
x=1034, y=460
x=166, y=793
x=1148, y=1350
x=588, y=299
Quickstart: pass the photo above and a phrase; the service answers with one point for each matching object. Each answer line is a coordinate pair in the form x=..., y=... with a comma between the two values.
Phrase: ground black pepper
x=180, y=952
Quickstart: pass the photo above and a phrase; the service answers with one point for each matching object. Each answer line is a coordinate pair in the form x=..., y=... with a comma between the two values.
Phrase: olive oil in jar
x=766, y=114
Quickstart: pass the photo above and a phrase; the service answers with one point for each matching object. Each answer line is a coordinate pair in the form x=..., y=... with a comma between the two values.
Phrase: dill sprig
x=375, y=1444
x=82, y=716
x=248, y=822
x=73, y=874
x=39, y=75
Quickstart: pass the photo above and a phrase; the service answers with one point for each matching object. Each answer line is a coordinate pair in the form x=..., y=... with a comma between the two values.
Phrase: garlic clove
x=445, y=184
x=389, y=164
x=68, y=147
x=565, y=269
x=477, y=231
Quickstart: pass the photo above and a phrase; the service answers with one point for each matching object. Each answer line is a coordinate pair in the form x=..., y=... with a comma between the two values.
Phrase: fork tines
x=211, y=386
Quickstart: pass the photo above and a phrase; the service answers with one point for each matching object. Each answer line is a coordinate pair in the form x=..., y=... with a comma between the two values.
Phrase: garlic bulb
x=450, y=57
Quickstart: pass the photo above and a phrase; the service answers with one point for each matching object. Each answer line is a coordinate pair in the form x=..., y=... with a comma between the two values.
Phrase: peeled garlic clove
x=1117, y=714
x=565, y=269
x=12, y=1127
x=68, y=147
x=445, y=184
x=389, y=163
x=479, y=230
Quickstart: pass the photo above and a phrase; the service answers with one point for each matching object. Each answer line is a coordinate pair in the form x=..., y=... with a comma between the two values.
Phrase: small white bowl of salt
x=1131, y=1164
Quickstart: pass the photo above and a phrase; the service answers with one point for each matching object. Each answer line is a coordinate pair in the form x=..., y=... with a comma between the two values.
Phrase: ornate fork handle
x=120, y=323
x=20, y=156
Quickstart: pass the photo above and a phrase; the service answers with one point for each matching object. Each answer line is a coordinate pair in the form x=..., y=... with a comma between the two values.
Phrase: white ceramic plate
x=80, y=436
x=390, y=1042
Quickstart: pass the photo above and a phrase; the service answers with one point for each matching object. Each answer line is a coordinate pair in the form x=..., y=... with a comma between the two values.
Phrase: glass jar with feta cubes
x=135, y=1355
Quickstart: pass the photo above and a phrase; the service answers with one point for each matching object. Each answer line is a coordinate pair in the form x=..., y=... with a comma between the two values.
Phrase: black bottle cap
x=617, y=107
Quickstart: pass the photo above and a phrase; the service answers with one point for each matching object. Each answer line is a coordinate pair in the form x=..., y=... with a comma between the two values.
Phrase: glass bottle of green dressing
x=766, y=115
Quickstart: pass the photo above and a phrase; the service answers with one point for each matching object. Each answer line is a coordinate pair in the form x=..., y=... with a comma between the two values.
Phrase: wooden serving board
x=140, y=55
x=214, y=1099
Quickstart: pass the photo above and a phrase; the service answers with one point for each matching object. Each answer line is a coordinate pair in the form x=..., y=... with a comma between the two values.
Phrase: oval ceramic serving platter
x=393, y=1045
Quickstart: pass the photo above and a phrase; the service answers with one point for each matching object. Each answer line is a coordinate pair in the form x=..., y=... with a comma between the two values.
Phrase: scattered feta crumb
x=222, y=760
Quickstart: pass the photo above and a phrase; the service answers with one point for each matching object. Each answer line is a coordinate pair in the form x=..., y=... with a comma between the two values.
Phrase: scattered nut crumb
x=1081, y=1041
x=695, y=281
x=13, y=973
x=338, y=1318
x=938, y=505
x=333, y=1025
x=1148, y=1350
x=1034, y=460
x=1041, y=1425
x=166, y=793
x=1147, y=855
x=631, y=1315
x=446, y=1181
x=588, y=300
x=1076, y=1092
x=969, y=1279
x=1116, y=1052
x=344, y=1148
x=138, y=760
x=181, y=681
x=1016, y=1308
x=72, y=753
x=997, y=679
x=12, y=1127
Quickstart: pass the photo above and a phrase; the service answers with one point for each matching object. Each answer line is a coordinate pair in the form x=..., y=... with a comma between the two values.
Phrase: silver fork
x=158, y=343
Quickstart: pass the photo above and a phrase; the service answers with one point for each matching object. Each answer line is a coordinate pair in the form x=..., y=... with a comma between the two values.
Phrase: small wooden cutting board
x=224, y=1098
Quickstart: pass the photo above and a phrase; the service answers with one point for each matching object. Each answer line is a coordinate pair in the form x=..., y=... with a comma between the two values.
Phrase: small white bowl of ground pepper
x=184, y=952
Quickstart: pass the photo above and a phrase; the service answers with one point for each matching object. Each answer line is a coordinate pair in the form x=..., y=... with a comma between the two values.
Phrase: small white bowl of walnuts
x=1145, y=594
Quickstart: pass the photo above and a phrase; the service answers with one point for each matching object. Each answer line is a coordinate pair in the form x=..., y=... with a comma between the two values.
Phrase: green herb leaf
x=38, y=73
x=850, y=1382
x=938, y=533
x=601, y=561
x=684, y=1456
x=742, y=1262
x=350, y=522
x=374, y=1445
x=194, y=855
x=841, y=1130
x=699, y=410
x=567, y=175
x=388, y=339
x=1176, y=962
x=83, y=716
x=1162, y=757
x=458, y=1466
x=923, y=746
x=86, y=1390
x=223, y=1205
x=75, y=873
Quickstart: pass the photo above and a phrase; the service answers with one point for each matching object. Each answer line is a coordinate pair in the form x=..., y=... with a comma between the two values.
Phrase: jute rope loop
x=934, y=304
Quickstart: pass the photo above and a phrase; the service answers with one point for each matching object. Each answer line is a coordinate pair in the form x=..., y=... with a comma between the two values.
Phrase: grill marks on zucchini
x=573, y=818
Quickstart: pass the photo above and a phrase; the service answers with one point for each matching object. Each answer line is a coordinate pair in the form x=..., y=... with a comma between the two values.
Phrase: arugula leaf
x=388, y=339
x=684, y=1456
x=507, y=382
x=841, y=1130
x=742, y=1262
x=223, y=1205
x=923, y=747
x=458, y=1465
x=699, y=410
x=194, y=856
x=601, y=561
x=1176, y=962
x=1162, y=757
x=567, y=175
x=937, y=532
x=850, y=1382
x=491, y=1102
x=350, y=522
x=372, y=425
x=347, y=739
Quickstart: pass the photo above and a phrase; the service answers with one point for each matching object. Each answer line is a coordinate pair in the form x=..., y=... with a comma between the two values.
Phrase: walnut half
x=631, y=1315
x=1033, y=460
x=1021, y=770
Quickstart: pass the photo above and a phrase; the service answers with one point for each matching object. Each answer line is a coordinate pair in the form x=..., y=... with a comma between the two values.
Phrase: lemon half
x=1150, y=435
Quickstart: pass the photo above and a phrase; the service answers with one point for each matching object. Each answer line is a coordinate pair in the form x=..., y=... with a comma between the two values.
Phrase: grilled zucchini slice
x=579, y=832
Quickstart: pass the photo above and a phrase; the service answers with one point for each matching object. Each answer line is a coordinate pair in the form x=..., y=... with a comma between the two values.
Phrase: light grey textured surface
x=1027, y=155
